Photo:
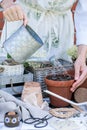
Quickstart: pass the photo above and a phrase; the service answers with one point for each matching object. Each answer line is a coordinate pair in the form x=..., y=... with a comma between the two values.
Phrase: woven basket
x=12, y=70
x=39, y=74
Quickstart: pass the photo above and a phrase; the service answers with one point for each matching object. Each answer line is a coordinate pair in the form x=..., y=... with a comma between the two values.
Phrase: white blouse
x=81, y=22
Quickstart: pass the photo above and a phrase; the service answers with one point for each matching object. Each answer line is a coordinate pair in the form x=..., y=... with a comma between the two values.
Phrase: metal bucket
x=22, y=44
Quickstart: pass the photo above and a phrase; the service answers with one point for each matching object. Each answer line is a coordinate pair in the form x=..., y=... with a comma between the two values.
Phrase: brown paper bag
x=32, y=93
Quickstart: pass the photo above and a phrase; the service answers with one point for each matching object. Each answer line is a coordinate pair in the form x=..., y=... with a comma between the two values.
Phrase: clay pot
x=59, y=86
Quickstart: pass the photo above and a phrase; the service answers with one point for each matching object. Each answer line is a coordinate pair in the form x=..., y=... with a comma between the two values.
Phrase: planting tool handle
x=60, y=97
x=64, y=99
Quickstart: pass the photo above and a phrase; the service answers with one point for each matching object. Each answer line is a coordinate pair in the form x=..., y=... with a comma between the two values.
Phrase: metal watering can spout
x=22, y=44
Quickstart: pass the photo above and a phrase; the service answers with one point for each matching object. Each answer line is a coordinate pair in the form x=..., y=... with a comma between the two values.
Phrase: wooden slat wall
x=1, y=22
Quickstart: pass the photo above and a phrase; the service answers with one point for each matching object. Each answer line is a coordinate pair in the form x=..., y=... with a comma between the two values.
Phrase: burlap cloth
x=10, y=103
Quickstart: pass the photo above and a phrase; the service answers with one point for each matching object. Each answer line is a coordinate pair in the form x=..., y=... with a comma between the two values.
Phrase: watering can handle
x=34, y=34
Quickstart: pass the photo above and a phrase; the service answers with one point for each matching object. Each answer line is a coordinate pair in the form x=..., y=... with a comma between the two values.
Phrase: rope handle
x=13, y=87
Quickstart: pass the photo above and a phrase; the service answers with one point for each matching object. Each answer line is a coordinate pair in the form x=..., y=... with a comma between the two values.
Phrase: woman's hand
x=80, y=74
x=80, y=67
x=13, y=12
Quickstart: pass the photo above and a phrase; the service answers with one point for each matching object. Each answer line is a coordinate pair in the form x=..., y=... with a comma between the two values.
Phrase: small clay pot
x=59, y=84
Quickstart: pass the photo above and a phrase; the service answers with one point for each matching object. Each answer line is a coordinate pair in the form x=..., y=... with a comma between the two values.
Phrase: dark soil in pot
x=63, y=77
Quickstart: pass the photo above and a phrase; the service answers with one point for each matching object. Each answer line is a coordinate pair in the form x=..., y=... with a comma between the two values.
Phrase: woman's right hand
x=13, y=12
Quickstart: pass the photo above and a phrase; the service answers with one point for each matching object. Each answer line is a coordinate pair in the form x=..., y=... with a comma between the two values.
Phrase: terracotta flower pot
x=59, y=86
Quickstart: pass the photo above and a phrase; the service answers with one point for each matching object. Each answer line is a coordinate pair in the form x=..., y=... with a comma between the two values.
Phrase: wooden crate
x=14, y=84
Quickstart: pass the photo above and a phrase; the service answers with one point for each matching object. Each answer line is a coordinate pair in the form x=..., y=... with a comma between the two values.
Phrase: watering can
x=22, y=44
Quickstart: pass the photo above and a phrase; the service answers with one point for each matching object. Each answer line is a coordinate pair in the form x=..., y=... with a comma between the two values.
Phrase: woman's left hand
x=80, y=73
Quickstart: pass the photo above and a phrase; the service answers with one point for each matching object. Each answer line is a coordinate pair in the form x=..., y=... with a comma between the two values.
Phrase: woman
x=51, y=19
x=81, y=41
x=40, y=11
